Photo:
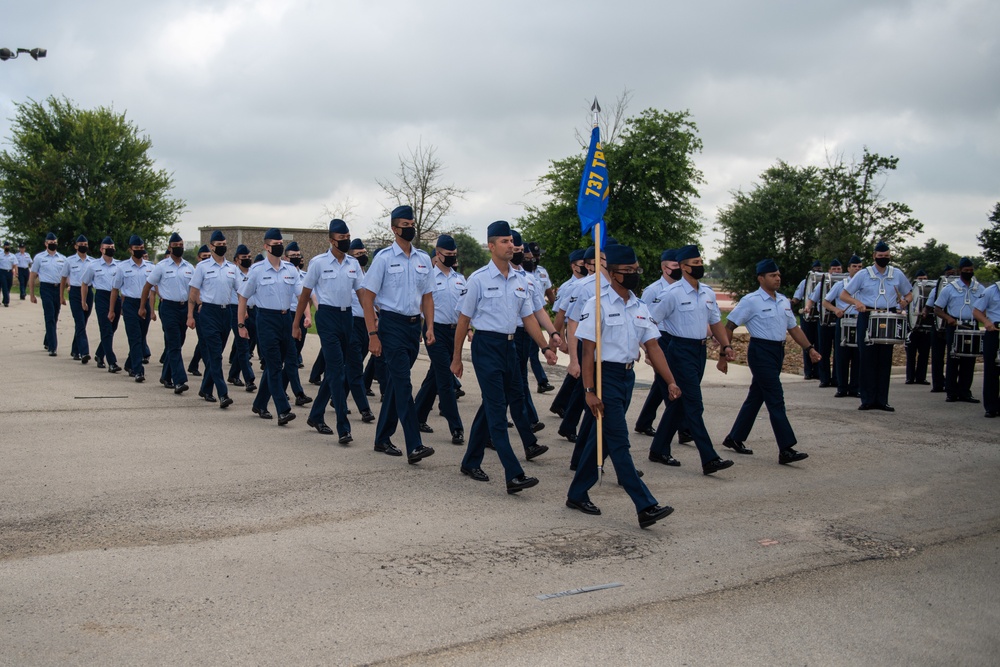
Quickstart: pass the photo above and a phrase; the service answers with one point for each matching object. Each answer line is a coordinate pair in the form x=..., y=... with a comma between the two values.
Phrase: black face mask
x=407, y=233
x=83, y=249
x=362, y=259
x=220, y=250
x=344, y=245
x=449, y=261
x=517, y=258
x=529, y=265
x=277, y=250
x=138, y=253
x=109, y=252
x=967, y=275
x=698, y=272
x=51, y=246
x=246, y=262
x=584, y=271
x=629, y=280
x=882, y=262
x=676, y=274
x=295, y=261
x=177, y=251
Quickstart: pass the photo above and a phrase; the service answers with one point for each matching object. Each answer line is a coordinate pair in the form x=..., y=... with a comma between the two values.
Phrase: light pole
x=7, y=54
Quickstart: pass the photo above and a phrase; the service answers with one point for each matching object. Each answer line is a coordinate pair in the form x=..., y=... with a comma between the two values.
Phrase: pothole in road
x=872, y=544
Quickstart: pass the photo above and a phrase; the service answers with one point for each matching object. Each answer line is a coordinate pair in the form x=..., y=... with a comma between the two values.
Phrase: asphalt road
x=137, y=526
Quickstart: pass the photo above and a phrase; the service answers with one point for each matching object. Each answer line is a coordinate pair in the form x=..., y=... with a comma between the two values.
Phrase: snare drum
x=849, y=331
x=887, y=328
x=967, y=343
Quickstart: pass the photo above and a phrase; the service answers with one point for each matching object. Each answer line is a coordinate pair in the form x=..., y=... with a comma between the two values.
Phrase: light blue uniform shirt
x=240, y=279
x=272, y=288
x=8, y=261
x=217, y=283
x=172, y=280
x=800, y=290
x=23, y=260
x=624, y=326
x=101, y=274
x=833, y=297
x=564, y=294
x=880, y=291
x=766, y=317
x=535, y=293
x=356, y=309
x=48, y=267
x=294, y=305
x=333, y=282
x=542, y=277
x=582, y=290
x=448, y=291
x=494, y=303
x=651, y=295
x=74, y=268
x=686, y=311
x=958, y=300
x=131, y=277
x=988, y=303
x=399, y=282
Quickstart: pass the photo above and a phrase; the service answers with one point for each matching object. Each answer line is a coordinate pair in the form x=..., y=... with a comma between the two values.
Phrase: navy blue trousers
x=765, y=358
x=49, y=294
x=214, y=324
x=875, y=367
x=6, y=282
x=561, y=399
x=521, y=339
x=356, y=353
x=102, y=303
x=958, y=371
x=575, y=404
x=939, y=345
x=81, y=344
x=290, y=375
x=274, y=340
x=400, y=336
x=846, y=362
x=686, y=358
x=826, y=338
x=918, y=349
x=537, y=367
x=333, y=326
x=810, y=329
x=616, y=388
x=173, y=319
x=22, y=280
x=495, y=361
x=439, y=380
x=991, y=372
x=656, y=394
x=239, y=358
x=134, y=330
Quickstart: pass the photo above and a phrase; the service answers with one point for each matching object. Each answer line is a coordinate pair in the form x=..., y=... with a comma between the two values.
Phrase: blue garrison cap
x=949, y=267
x=965, y=262
x=108, y=241
x=835, y=262
x=135, y=239
x=82, y=239
x=203, y=249
x=258, y=258
x=921, y=272
x=817, y=264
x=855, y=260
x=534, y=249
x=405, y=212
x=357, y=244
x=620, y=254
x=50, y=237
x=242, y=250
x=589, y=252
x=175, y=238
x=292, y=247
x=433, y=252
x=669, y=255
x=766, y=266
x=273, y=234
x=445, y=242
x=688, y=252
x=217, y=236
x=881, y=246
x=338, y=226
x=576, y=255
x=611, y=240
x=498, y=228
x=516, y=238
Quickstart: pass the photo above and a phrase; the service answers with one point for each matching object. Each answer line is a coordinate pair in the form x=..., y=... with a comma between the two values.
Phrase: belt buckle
x=510, y=336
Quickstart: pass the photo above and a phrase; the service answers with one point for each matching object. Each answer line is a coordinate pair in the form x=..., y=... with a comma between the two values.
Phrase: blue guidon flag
x=592, y=201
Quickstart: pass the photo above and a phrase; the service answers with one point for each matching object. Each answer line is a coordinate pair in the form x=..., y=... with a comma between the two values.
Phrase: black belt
x=50, y=284
x=701, y=342
x=132, y=298
x=173, y=303
x=494, y=334
x=271, y=310
x=765, y=341
x=442, y=324
x=339, y=309
x=618, y=364
x=105, y=291
x=223, y=306
x=409, y=319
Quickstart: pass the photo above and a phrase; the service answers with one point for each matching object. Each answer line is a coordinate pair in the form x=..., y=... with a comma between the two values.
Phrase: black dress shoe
x=424, y=428
x=367, y=416
x=320, y=427
x=867, y=406
x=665, y=459
x=544, y=387
x=210, y=398
x=716, y=466
x=76, y=357
x=388, y=448
x=969, y=399
x=53, y=354
x=537, y=426
x=302, y=399
x=684, y=437
x=651, y=515
x=100, y=364
x=992, y=414
x=910, y=382
x=937, y=391
x=85, y=359
x=114, y=368
x=558, y=413
x=369, y=393
x=925, y=382
x=520, y=483
x=345, y=439
x=646, y=431
x=421, y=452
x=510, y=424
x=584, y=506
x=457, y=437
x=140, y=378
x=225, y=402
x=786, y=456
x=489, y=444
x=236, y=382
x=459, y=393
x=195, y=372
x=285, y=417
x=476, y=474
x=736, y=446
x=180, y=388
x=534, y=451
x=824, y=385
x=251, y=387
x=886, y=408
x=167, y=385
x=262, y=413
x=841, y=394
x=568, y=435
x=950, y=399
x=853, y=394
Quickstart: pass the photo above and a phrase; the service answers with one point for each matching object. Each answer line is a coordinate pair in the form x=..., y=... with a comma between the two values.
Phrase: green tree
x=860, y=215
x=989, y=238
x=471, y=254
x=780, y=218
x=651, y=194
x=932, y=257
x=82, y=171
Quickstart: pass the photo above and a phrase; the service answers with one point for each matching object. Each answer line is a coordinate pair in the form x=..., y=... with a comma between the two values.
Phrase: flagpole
x=596, y=108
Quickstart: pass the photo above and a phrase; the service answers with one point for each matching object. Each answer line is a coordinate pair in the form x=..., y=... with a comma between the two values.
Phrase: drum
x=849, y=331
x=886, y=328
x=967, y=341
x=918, y=318
x=814, y=278
x=828, y=318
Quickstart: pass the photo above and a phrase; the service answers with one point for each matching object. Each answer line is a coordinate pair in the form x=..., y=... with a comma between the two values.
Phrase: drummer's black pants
x=958, y=372
x=876, y=367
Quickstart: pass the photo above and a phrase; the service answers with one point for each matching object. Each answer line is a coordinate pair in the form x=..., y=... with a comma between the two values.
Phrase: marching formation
x=381, y=311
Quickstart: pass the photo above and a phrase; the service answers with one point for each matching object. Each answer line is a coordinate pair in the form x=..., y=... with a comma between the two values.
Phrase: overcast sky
x=269, y=111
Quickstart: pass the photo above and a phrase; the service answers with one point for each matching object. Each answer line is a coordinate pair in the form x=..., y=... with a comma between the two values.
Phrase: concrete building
x=311, y=241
